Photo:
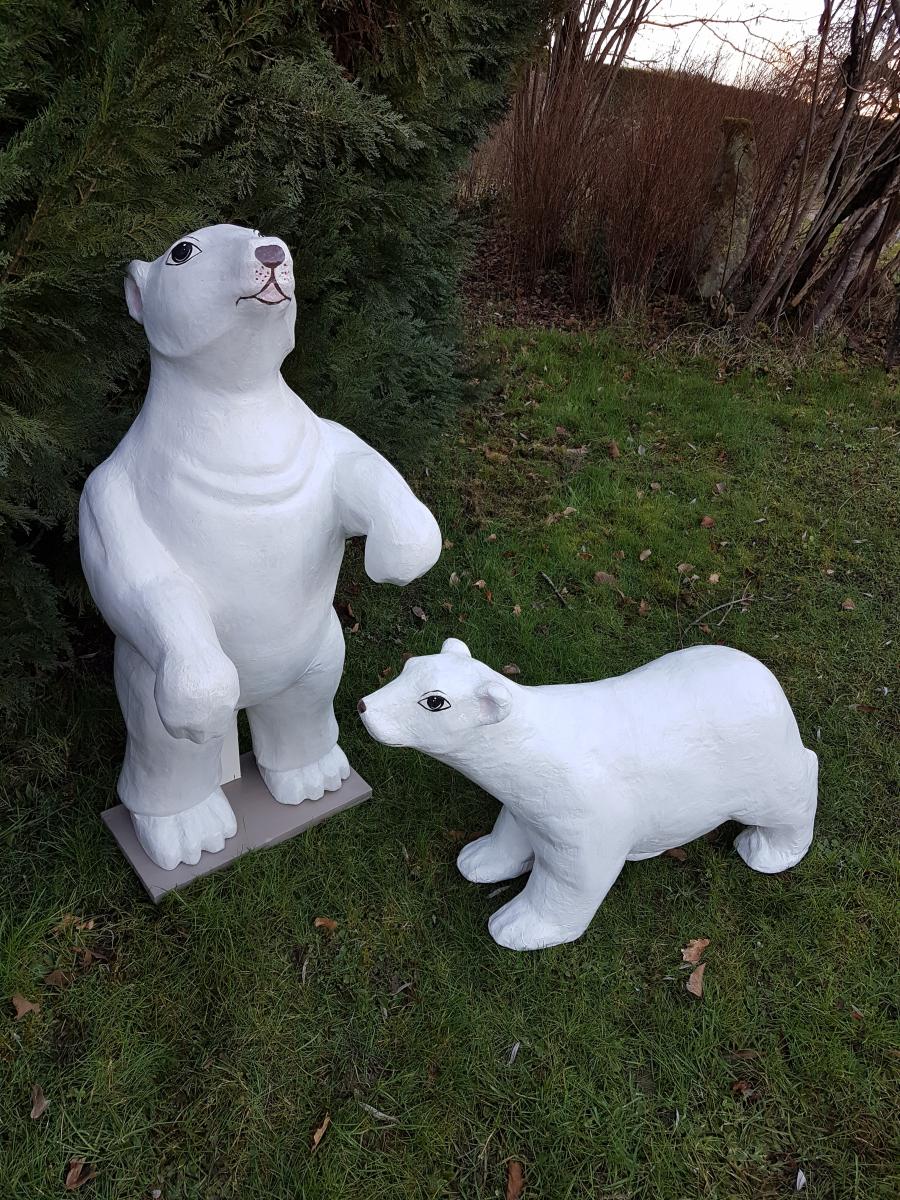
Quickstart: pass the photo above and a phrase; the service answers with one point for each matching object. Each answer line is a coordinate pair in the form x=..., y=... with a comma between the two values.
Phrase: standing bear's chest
x=253, y=522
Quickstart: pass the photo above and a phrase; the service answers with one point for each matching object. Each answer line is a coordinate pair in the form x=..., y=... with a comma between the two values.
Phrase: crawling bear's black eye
x=435, y=703
x=181, y=252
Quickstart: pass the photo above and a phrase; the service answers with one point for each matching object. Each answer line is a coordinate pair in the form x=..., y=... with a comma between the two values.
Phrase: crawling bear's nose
x=269, y=256
x=361, y=707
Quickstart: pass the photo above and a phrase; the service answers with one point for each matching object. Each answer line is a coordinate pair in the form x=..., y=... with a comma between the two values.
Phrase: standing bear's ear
x=135, y=279
x=455, y=646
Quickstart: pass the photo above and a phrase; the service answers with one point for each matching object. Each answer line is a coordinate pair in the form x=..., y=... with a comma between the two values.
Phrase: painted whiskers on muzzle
x=272, y=283
x=271, y=257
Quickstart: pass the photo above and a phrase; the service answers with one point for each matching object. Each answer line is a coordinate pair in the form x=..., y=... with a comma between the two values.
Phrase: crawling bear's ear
x=455, y=646
x=495, y=702
x=135, y=279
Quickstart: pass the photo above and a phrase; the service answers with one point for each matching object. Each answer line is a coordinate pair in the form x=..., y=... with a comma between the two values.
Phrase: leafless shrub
x=605, y=172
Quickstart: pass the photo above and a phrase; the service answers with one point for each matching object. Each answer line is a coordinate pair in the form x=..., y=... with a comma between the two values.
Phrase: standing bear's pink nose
x=269, y=256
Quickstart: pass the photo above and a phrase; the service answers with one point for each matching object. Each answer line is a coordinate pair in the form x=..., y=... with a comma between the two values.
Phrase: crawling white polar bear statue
x=212, y=537
x=592, y=775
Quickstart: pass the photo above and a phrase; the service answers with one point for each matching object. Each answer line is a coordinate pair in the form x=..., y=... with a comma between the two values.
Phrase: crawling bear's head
x=224, y=291
x=436, y=701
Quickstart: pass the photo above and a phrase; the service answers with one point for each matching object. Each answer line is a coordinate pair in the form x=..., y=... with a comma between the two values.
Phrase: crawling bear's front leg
x=569, y=882
x=504, y=853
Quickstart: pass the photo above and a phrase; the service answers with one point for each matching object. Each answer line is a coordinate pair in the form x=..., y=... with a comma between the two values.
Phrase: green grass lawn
x=212, y=1035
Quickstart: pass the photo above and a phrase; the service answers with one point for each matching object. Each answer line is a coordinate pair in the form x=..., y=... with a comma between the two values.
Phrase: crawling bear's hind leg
x=785, y=832
x=169, y=785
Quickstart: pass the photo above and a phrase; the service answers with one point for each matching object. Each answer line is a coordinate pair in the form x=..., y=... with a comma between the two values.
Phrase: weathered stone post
x=722, y=238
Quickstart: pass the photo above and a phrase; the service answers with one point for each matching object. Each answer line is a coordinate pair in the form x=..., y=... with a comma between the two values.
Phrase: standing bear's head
x=221, y=298
x=437, y=701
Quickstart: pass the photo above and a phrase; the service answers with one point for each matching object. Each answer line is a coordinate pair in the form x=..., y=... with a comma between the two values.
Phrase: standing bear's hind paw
x=182, y=837
x=311, y=782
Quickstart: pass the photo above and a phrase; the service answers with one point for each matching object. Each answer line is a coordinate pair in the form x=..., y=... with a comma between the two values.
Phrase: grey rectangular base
x=261, y=821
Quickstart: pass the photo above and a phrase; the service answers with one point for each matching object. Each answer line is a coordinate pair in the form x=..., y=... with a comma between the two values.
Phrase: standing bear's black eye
x=435, y=703
x=181, y=252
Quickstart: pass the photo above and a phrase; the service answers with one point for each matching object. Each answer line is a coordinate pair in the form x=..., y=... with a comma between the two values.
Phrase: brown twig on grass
x=557, y=593
x=746, y=597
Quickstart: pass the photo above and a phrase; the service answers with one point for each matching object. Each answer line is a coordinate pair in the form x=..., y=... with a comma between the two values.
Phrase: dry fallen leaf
x=479, y=583
x=78, y=1173
x=517, y=610
x=720, y=488
x=321, y=1130
x=515, y=1180
x=614, y=451
x=644, y=555
x=511, y=669
x=707, y=522
x=693, y=951
x=605, y=577
x=377, y=1113
x=58, y=978
x=643, y=608
x=325, y=923
x=677, y=853
x=82, y=923
x=695, y=981
x=39, y=1102
x=655, y=487
x=454, y=579
x=847, y=605
x=23, y=1007
x=714, y=578
x=683, y=568
x=420, y=613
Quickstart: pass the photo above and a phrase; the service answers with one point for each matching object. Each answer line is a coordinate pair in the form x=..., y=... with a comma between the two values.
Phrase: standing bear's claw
x=182, y=837
x=311, y=782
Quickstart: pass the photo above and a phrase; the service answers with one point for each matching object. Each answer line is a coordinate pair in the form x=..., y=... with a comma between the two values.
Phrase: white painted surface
x=591, y=775
x=211, y=540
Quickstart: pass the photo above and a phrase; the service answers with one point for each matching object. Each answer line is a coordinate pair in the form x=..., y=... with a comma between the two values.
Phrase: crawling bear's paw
x=486, y=860
x=519, y=926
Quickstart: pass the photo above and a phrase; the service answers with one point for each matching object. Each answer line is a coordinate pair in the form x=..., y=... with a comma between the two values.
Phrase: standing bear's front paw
x=311, y=782
x=519, y=926
x=196, y=696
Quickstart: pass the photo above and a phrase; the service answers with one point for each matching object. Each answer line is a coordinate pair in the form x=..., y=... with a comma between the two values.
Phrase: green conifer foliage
x=336, y=126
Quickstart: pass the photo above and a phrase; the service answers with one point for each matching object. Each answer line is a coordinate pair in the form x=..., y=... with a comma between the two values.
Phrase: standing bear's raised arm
x=403, y=540
x=147, y=600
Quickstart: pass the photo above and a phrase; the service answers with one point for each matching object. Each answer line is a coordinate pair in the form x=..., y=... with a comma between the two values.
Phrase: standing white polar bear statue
x=212, y=537
x=592, y=775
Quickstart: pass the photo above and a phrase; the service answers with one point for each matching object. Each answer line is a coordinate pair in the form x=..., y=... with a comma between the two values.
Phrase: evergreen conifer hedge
x=337, y=126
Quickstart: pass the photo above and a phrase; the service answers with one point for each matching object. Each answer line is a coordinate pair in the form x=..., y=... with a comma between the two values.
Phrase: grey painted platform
x=261, y=821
